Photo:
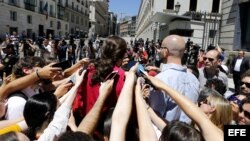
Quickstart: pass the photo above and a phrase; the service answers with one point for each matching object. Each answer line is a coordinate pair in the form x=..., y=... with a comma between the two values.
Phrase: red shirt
x=87, y=94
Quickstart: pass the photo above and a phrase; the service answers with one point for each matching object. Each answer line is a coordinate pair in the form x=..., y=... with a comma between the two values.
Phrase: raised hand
x=63, y=89
x=79, y=76
x=48, y=72
x=106, y=87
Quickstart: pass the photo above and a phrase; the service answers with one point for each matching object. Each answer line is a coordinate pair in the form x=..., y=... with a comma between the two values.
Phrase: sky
x=126, y=7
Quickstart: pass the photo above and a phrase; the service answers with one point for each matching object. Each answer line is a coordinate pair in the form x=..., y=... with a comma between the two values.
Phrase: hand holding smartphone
x=141, y=71
x=64, y=65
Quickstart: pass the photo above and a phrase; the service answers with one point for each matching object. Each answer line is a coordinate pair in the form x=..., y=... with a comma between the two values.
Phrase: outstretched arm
x=146, y=129
x=46, y=72
x=209, y=131
x=123, y=108
x=76, y=66
x=90, y=121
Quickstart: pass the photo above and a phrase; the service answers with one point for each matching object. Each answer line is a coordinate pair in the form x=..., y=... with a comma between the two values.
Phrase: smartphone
x=64, y=65
x=73, y=79
x=141, y=71
x=112, y=75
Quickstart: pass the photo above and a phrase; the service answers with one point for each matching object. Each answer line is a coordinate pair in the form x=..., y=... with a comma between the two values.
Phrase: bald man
x=176, y=76
x=210, y=70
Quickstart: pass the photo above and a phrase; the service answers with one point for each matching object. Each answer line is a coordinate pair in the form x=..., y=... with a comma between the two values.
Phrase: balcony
x=14, y=3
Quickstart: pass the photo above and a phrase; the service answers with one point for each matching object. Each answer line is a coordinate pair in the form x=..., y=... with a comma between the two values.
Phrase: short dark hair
x=180, y=131
x=75, y=136
x=217, y=84
x=195, y=70
x=205, y=92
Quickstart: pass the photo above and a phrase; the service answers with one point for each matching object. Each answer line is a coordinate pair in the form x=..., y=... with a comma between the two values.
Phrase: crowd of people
x=114, y=90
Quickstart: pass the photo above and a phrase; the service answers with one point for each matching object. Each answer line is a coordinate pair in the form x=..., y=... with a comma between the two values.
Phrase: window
x=29, y=19
x=66, y=27
x=51, y=9
x=67, y=3
x=216, y=6
x=81, y=21
x=30, y=4
x=77, y=19
x=182, y=32
x=13, y=15
x=72, y=18
x=14, y=2
x=193, y=5
x=212, y=33
x=245, y=25
x=51, y=23
x=41, y=6
x=72, y=5
x=58, y=25
x=170, y=4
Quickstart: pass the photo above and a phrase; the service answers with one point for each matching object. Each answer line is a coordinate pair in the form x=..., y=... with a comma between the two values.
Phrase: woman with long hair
x=111, y=58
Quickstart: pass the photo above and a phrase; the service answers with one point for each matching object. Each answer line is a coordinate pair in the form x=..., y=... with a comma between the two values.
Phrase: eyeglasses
x=246, y=113
x=235, y=100
x=209, y=59
x=247, y=84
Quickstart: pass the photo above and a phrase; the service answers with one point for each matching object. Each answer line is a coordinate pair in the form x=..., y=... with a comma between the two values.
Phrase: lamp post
x=177, y=8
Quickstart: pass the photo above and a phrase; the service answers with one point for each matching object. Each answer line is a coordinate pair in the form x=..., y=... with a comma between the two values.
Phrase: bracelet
x=38, y=74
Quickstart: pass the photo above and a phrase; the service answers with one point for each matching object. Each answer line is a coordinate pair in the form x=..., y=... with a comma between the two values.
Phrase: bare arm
x=76, y=66
x=90, y=121
x=146, y=129
x=72, y=92
x=23, y=82
x=160, y=124
x=123, y=107
x=6, y=123
x=209, y=131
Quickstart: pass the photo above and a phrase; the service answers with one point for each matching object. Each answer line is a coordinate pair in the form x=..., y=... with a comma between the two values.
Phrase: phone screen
x=64, y=65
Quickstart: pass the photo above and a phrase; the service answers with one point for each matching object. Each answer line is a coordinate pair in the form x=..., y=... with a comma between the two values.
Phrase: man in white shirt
x=17, y=100
x=240, y=65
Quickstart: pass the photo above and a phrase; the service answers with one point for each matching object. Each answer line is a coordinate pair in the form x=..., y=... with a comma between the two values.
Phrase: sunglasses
x=247, y=84
x=235, y=100
x=209, y=59
x=246, y=113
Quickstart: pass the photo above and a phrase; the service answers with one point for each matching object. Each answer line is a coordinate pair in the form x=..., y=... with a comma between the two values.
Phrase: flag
x=45, y=10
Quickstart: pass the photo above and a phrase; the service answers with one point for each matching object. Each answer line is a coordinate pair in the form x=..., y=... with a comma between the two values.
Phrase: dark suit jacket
x=244, y=66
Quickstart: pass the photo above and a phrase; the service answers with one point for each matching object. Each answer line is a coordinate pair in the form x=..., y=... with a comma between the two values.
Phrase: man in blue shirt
x=176, y=76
